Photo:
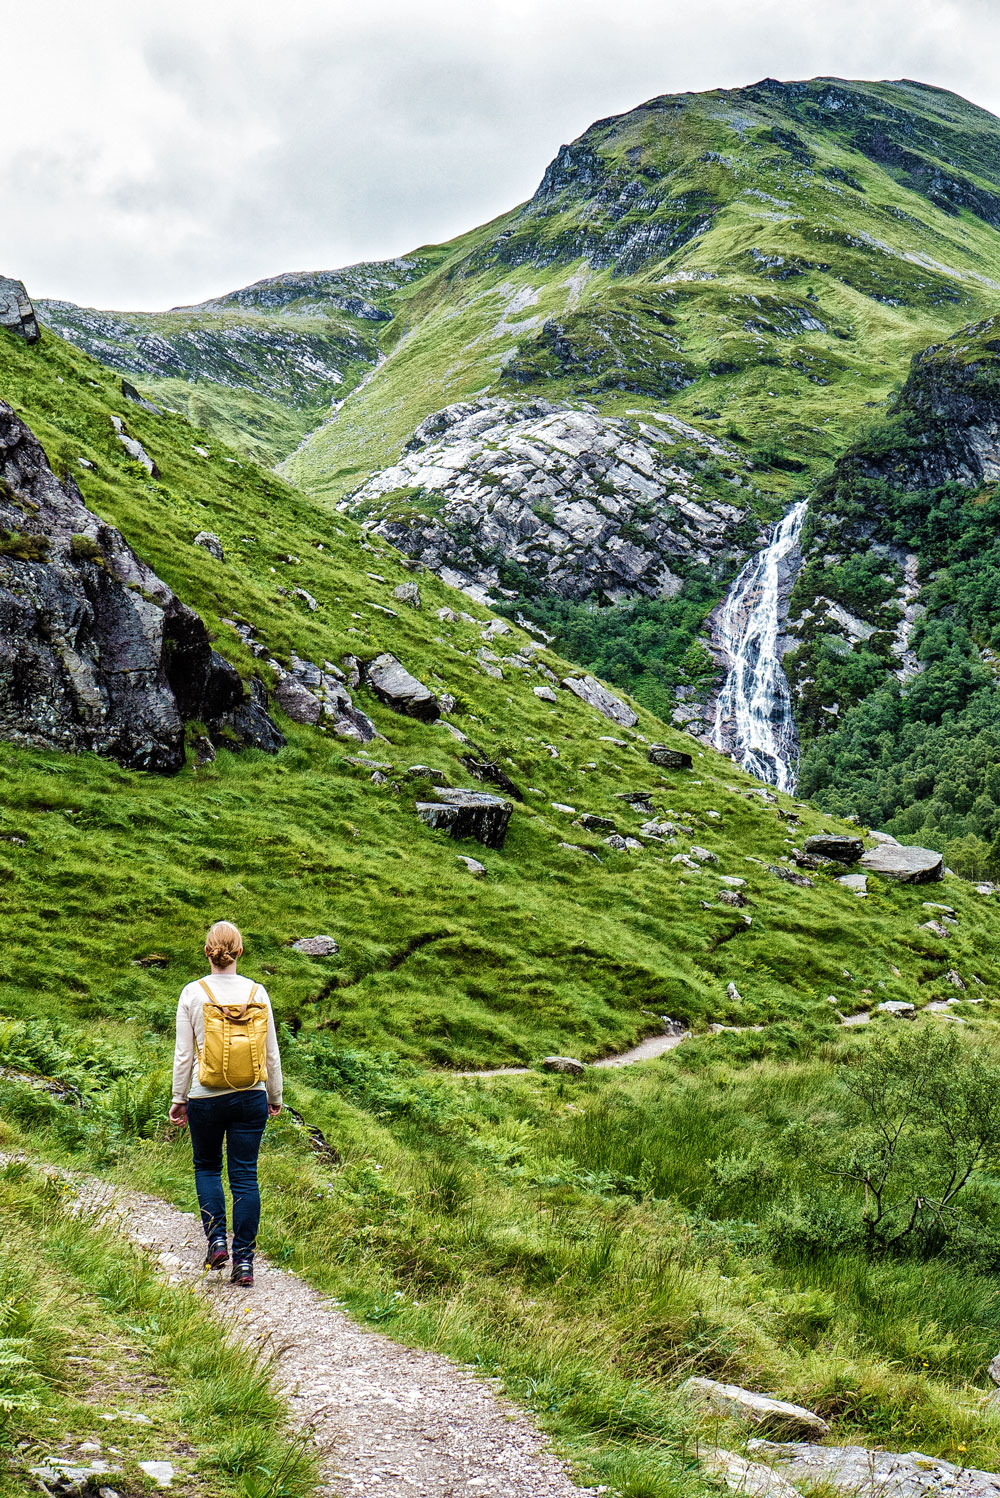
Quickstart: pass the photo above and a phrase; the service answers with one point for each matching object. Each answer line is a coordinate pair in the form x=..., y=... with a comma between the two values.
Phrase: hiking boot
x=242, y=1273
x=217, y=1254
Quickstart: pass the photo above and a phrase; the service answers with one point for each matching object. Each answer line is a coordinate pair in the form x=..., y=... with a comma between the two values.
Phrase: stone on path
x=878, y=1474
x=731, y=1401
x=896, y=1009
x=827, y=845
x=316, y=946
x=590, y=690
x=566, y=1066
x=907, y=865
x=211, y=543
x=393, y=685
x=468, y=814
x=668, y=759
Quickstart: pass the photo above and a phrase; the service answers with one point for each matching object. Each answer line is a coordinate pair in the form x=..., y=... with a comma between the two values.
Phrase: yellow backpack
x=235, y=1051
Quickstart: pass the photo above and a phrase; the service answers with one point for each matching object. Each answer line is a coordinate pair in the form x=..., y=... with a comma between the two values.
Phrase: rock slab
x=16, y=312
x=828, y=845
x=668, y=759
x=468, y=814
x=590, y=690
x=734, y=1403
x=394, y=685
x=878, y=1474
x=906, y=865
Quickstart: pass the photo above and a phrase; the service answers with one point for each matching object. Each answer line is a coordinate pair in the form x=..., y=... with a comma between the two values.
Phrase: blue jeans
x=239, y=1119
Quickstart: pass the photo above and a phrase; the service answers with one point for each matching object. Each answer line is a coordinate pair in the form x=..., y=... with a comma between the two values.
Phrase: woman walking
x=227, y=1083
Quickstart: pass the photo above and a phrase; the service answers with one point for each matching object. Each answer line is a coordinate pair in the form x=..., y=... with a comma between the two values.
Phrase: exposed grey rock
x=896, y=1009
x=96, y=652
x=134, y=447
x=856, y=882
x=309, y=695
x=393, y=685
x=828, y=845
x=668, y=759
x=210, y=541
x=427, y=772
x=946, y=910
x=134, y=398
x=732, y=897
x=703, y=855
x=545, y=693
x=582, y=502
x=790, y=877
x=16, y=312
x=907, y=865
x=955, y=979
x=475, y=868
x=994, y=1369
x=878, y=1474
x=886, y=838
x=316, y=946
x=935, y=928
x=447, y=703
x=733, y=880
x=753, y=1479
x=617, y=843
x=566, y=1066
x=568, y=811
x=594, y=823
x=307, y=599
x=590, y=690
x=408, y=593
x=759, y=1410
x=468, y=814
x=733, y=993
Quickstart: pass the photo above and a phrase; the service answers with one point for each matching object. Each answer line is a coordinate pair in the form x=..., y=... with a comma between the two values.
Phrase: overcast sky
x=157, y=154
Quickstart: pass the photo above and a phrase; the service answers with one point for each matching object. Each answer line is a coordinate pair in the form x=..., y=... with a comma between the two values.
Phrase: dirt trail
x=390, y=1422
x=646, y=1050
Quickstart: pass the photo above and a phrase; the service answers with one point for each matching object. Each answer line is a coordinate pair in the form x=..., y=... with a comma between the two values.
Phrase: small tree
x=923, y=1112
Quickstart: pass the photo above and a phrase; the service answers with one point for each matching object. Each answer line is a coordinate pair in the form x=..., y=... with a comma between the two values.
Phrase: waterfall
x=753, y=716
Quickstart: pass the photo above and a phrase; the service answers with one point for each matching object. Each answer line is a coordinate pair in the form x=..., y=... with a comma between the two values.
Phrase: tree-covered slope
x=895, y=611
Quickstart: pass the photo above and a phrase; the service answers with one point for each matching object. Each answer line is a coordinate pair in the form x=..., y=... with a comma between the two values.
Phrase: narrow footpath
x=387, y=1420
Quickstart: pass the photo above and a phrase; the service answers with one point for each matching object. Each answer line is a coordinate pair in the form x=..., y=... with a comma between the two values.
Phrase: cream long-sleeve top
x=230, y=989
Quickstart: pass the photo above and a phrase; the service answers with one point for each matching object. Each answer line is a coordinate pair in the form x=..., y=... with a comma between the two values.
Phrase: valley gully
x=753, y=716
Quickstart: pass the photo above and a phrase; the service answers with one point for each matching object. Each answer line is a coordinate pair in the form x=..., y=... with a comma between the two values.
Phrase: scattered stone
x=703, y=855
x=590, y=690
x=393, y=685
x=496, y=627
x=987, y=889
x=733, y=880
x=864, y=1473
x=16, y=312
x=605, y=738
x=162, y=1473
x=308, y=695
x=594, y=823
x=828, y=845
x=211, y=543
x=545, y=694
x=468, y=814
x=673, y=1026
x=668, y=759
x=858, y=883
x=566, y=1066
x=640, y=801
x=134, y=448
x=427, y=772
x=994, y=1369
x=475, y=868
x=734, y=994
x=896, y=1009
x=790, y=877
x=732, y=897
x=883, y=838
x=935, y=928
x=688, y=863
x=379, y=779
x=619, y=844
x=134, y=398
x=447, y=703
x=945, y=910
x=907, y=865
x=730, y=1401
x=569, y=811
x=307, y=599
x=753, y=1479
x=316, y=946
x=954, y=978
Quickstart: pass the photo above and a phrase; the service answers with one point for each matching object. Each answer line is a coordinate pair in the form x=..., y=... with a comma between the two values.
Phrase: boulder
x=896, y=1009
x=668, y=759
x=16, y=312
x=427, y=772
x=594, y=823
x=590, y=690
x=858, y=883
x=393, y=685
x=134, y=398
x=134, y=447
x=907, y=865
x=545, y=694
x=316, y=946
x=732, y=1402
x=468, y=814
x=566, y=1066
x=307, y=694
x=475, y=868
x=864, y=1473
x=732, y=897
x=789, y=876
x=408, y=593
x=827, y=845
x=753, y=1479
x=211, y=543
x=96, y=652
x=884, y=838
x=703, y=855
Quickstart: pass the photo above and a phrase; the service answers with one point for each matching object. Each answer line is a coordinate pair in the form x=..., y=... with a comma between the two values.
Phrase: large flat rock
x=734, y=1403
x=877, y=1474
x=591, y=691
x=907, y=865
x=463, y=813
x=398, y=689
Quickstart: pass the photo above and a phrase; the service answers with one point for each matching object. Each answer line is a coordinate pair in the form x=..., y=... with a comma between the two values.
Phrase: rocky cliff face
x=16, y=312
x=96, y=652
x=502, y=498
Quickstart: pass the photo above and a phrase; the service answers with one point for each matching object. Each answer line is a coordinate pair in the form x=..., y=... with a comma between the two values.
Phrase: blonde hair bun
x=223, y=944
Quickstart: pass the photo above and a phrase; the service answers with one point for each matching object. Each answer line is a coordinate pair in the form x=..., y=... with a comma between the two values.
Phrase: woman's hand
x=178, y=1114
x=273, y=1109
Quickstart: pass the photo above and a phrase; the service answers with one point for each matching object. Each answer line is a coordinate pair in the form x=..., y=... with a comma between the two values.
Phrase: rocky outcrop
x=877, y=1474
x=572, y=503
x=96, y=652
x=393, y=685
x=16, y=312
x=307, y=694
x=905, y=865
x=468, y=814
x=594, y=694
x=830, y=845
x=668, y=759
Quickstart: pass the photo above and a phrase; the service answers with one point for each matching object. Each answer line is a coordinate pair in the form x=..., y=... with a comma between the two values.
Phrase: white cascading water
x=753, y=716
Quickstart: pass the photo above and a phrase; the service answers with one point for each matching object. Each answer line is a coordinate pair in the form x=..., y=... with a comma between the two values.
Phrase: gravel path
x=646, y=1050
x=389, y=1422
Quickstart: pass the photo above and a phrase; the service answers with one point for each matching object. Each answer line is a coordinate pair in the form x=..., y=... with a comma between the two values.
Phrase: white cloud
x=157, y=155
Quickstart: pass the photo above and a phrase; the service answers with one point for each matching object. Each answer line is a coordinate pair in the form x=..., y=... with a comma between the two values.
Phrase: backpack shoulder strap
x=205, y=986
x=253, y=993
